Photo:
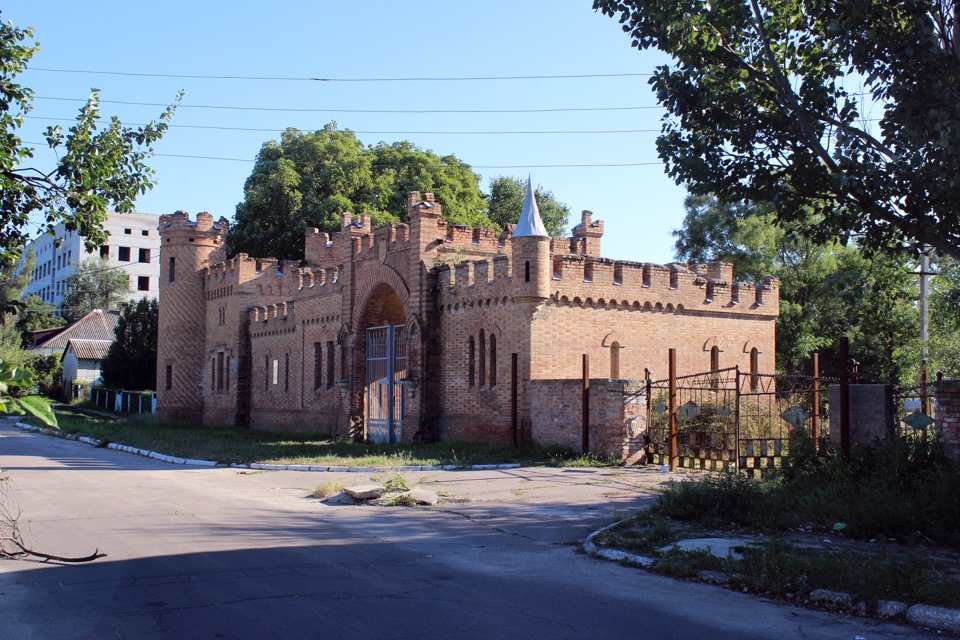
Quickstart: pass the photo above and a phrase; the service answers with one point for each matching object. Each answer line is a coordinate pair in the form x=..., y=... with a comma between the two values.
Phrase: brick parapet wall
x=617, y=415
x=946, y=395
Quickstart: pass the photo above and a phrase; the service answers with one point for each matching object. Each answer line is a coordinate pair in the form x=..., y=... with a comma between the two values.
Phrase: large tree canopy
x=827, y=290
x=506, y=202
x=309, y=179
x=100, y=166
x=775, y=100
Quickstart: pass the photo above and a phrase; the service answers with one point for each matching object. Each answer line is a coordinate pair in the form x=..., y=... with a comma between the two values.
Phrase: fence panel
x=706, y=420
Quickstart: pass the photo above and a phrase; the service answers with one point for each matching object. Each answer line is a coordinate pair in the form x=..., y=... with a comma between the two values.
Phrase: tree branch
x=46, y=556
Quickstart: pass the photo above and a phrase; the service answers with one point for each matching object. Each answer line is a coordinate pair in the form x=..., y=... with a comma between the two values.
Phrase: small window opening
x=471, y=362
x=615, y=360
x=493, y=360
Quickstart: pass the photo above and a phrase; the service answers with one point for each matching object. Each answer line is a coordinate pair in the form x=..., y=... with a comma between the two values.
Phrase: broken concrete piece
x=339, y=498
x=424, y=496
x=365, y=491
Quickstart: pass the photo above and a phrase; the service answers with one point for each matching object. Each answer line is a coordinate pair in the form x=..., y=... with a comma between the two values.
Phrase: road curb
x=256, y=465
x=921, y=615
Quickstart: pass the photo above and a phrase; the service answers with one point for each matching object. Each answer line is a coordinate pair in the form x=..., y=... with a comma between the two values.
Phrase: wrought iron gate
x=727, y=420
x=386, y=366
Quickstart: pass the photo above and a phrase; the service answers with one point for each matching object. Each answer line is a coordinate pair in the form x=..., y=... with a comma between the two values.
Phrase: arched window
x=614, y=360
x=754, y=369
x=714, y=358
x=493, y=360
x=483, y=358
x=471, y=362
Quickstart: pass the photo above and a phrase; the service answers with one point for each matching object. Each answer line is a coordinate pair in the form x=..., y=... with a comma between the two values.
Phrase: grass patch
x=784, y=570
x=245, y=446
x=328, y=489
x=903, y=490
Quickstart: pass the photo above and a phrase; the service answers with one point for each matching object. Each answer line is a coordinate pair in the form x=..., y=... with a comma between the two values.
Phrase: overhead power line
x=320, y=79
x=472, y=166
x=405, y=133
x=399, y=164
x=301, y=110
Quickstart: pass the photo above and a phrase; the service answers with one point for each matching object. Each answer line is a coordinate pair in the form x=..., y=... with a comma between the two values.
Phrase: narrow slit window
x=331, y=361
x=169, y=377
x=483, y=358
x=614, y=360
x=173, y=269
x=317, y=365
x=754, y=369
x=493, y=360
x=471, y=362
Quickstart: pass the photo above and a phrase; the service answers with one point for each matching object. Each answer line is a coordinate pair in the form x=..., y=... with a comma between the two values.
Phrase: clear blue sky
x=203, y=169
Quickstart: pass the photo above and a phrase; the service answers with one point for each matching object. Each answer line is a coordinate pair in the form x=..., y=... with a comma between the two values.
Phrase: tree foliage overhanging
x=308, y=179
x=829, y=290
x=772, y=100
x=100, y=165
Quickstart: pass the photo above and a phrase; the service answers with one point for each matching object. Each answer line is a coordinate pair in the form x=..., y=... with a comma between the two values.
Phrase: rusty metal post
x=672, y=391
x=736, y=422
x=815, y=400
x=514, y=423
x=845, y=397
x=585, y=434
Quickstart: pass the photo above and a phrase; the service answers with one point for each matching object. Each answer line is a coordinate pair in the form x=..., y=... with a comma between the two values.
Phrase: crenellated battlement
x=583, y=278
x=179, y=223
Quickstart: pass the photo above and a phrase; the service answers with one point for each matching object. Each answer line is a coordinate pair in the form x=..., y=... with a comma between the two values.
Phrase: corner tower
x=186, y=248
x=532, y=267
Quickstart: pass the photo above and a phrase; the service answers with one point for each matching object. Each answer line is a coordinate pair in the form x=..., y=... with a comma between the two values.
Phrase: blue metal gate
x=386, y=366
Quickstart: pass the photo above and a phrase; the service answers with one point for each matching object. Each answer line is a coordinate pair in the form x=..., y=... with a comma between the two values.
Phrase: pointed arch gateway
x=382, y=325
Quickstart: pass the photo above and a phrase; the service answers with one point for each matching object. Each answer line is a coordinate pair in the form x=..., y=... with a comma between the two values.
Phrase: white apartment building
x=134, y=246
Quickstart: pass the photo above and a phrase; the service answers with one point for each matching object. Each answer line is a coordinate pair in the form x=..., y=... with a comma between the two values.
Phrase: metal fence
x=725, y=420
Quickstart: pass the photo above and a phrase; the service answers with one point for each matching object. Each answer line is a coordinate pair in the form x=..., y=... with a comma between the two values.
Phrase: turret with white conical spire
x=532, y=267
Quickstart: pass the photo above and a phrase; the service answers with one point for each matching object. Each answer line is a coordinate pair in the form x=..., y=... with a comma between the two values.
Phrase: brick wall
x=449, y=287
x=946, y=395
x=617, y=415
x=871, y=413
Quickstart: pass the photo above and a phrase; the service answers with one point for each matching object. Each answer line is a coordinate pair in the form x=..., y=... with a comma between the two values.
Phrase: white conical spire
x=530, y=223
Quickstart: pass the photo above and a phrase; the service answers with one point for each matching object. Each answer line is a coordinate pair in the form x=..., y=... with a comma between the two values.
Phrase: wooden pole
x=672, y=390
x=845, y=397
x=585, y=433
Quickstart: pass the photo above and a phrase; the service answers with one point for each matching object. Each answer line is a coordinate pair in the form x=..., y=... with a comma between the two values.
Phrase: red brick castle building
x=426, y=330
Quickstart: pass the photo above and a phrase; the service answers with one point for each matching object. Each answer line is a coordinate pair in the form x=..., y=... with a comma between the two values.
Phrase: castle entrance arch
x=383, y=323
x=386, y=365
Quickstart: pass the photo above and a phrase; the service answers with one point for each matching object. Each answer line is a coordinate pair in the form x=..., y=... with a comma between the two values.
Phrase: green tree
x=94, y=284
x=827, y=289
x=771, y=101
x=309, y=179
x=100, y=166
x=35, y=316
x=505, y=202
x=131, y=361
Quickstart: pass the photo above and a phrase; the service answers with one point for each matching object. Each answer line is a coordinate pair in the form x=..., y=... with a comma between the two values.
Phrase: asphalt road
x=220, y=553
